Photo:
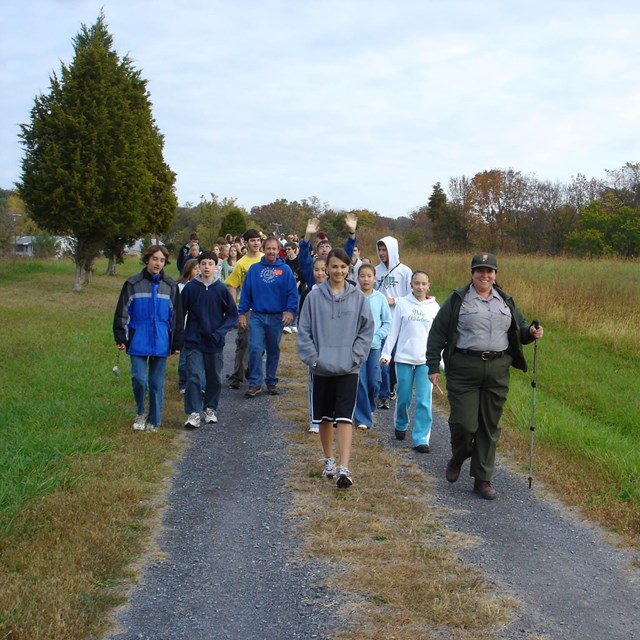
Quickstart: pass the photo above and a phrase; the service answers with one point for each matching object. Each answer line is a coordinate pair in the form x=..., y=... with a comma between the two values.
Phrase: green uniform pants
x=477, y=391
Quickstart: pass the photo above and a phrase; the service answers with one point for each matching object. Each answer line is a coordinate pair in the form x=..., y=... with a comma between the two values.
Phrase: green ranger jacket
x=443, y=335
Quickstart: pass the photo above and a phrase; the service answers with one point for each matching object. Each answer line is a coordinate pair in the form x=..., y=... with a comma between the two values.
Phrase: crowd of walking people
x=369, y=334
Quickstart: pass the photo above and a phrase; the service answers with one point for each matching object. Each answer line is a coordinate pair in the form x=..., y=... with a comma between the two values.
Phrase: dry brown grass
x=392, y=557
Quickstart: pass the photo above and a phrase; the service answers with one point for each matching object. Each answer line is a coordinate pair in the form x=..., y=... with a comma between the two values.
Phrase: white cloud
x=363, y=103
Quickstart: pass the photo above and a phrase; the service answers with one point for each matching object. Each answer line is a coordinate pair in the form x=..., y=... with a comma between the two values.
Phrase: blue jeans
x=368, y=385
x=182, y=370
x=265, y=332
x=387, y=376
x=197, y=363
x=141, y=380
x=407, y=374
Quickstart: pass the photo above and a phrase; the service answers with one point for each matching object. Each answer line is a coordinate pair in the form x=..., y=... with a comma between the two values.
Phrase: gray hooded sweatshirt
x=335, y=332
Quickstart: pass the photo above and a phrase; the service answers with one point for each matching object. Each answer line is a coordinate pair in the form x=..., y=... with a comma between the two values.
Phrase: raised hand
x=313, y=224
x=351, y=220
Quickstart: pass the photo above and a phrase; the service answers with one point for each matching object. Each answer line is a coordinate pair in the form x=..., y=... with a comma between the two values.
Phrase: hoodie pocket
x=335, y=361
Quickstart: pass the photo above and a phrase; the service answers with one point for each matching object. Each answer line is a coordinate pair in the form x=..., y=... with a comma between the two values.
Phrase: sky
x=365, y=104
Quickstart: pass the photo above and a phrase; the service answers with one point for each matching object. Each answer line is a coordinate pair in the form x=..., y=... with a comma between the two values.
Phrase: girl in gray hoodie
x=335, y=331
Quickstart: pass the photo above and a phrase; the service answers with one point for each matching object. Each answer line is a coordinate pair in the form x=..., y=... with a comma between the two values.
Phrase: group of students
x=350, y=335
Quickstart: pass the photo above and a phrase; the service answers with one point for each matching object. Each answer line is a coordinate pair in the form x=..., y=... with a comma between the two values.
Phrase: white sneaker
x=294, y=329
x=139, y=423
x=210, y=416
x=329, y=470
x=193, y=421
x=153, y=427
x=287, y=330
x=314, y=428
x=362, y=427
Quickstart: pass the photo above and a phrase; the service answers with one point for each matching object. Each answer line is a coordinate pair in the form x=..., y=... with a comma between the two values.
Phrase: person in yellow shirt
x=253, y=243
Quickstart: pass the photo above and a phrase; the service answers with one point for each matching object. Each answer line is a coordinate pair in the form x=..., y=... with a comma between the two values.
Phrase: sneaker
x=314, y=428
x=453, y=471
x=252, y=392
x=153, y=427
x=234, y=384
x=393, y=395
x=210, y=416
x=273, y=390
x=193, y=421
x=287, y=330
x=484, y=489
x=362, y=427
x=182, y=391
x=329, y=470
x=421, y=448
x=294, y=329
x=139, y=423
x=344, y=478
x=400, y=435
x=383, y=403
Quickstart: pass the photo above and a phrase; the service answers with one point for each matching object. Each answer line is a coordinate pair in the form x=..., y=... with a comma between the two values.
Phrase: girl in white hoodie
x=410, y=326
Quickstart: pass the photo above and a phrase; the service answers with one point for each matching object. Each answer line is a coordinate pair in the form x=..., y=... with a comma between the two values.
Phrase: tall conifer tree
x=93, y=166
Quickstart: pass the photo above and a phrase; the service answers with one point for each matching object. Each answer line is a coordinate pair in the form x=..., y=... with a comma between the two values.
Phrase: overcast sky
x=362, y=103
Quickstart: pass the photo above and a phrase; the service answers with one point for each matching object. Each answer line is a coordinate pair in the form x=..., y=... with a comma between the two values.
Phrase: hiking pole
x=532, y=427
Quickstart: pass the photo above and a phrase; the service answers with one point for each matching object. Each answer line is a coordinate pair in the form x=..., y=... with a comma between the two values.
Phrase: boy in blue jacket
x=211, y=312
x=269, y=290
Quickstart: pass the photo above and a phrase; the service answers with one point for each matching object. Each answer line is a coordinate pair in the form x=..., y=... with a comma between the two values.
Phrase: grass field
x=78, y=487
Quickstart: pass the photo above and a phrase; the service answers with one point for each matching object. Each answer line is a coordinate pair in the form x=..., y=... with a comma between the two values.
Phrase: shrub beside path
x=229, y=562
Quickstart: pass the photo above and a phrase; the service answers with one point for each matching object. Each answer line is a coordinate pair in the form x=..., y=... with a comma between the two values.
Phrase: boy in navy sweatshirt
x=211, y=312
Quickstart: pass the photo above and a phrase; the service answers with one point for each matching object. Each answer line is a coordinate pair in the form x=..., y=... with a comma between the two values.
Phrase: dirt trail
x=229, y=567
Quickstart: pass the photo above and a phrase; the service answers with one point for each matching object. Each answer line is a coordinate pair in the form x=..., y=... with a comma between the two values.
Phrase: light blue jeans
x=368, y=385
x=265, y=332
x=197, y=363
x=153, y=379
x=407, y=375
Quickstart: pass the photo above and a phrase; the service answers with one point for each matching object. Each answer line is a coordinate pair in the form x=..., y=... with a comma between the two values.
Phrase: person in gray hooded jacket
x=335, y=331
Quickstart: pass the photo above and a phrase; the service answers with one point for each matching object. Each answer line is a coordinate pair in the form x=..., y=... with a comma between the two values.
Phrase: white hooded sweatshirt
x=394, y=280
x=410, y=330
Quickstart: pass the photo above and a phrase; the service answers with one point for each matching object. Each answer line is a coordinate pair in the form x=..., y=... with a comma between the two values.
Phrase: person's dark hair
x=367, y=265
x=187, y=268
x=207, y=255
x=154, y=248
x=321, y=242
x=250, y=233
x=340, y=254
x=193, y=236
x=319, y=259
x=417, y=271
x=291, y=244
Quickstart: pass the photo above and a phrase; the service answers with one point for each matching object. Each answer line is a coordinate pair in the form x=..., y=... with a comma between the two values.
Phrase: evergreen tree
x=93, y=166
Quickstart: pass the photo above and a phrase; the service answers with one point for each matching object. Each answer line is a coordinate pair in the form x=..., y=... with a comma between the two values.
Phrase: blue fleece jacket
x=269, y=288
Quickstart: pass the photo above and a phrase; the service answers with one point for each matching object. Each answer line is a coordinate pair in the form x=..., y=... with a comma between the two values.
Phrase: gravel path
x=231, y=566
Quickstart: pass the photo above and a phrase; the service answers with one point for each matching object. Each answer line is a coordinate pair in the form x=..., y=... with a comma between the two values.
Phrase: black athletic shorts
x=333, y=398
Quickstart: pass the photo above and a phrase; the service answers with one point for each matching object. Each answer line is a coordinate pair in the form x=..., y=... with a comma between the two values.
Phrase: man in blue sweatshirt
x=211, y=312
x=269, y=290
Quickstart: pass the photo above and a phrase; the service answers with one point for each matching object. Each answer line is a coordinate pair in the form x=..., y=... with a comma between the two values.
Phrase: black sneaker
x=383, y=403
x=234, y=384
x=421, y=448
x=400, y=435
